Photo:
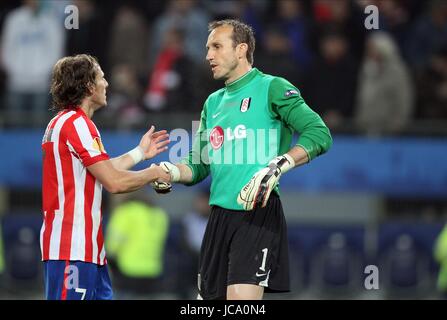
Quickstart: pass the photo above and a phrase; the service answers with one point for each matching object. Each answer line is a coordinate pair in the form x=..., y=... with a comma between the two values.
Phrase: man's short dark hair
x=72, y=80
x=242, y=33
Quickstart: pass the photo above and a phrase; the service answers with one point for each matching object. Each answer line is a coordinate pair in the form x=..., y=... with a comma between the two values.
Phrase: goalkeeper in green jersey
x=244, y=143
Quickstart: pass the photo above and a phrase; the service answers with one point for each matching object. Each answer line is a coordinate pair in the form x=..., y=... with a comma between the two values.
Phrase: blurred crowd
x=153, y=54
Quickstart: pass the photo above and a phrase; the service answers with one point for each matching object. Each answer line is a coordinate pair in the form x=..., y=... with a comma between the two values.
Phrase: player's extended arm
x=121, y=181
x=185, y=173
x=151, y=144
x=193, y=168
x=178, y=173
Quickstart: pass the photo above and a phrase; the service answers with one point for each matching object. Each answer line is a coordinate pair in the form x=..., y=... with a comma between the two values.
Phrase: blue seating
x=405, y=259
x=23, y=267
x=332, y=256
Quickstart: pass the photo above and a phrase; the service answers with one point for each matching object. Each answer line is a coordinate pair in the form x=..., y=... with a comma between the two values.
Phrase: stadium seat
x=405, y=269
x=336, y=269
x=23, y=267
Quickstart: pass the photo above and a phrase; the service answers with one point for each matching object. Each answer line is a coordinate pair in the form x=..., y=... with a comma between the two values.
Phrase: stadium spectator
x=32, y=41
x=128, y=68
x=135, y=242
x=432, y=88
x=330, y=83
x=126, y=46
x=276, y=58
x=125, y=98
x=172, y=84
x=56, y=8
x=341, y=16
x=185, y=15
x=295, y=25
x=428, y=35
x=92, y=37
x=385, y=96
x=250, y=11
x=395, y=20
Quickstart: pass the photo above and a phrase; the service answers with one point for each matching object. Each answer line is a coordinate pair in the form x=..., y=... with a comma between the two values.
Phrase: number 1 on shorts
x=264, y=259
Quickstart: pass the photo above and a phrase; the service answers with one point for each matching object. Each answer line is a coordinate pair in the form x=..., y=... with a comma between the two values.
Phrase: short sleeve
x=85, y=141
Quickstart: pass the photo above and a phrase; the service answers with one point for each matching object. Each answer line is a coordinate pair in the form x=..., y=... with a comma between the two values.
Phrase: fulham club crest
x=245, y=104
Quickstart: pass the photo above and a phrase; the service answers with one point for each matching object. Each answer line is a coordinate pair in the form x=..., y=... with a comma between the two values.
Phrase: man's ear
x=90, y=90
x=242, y=50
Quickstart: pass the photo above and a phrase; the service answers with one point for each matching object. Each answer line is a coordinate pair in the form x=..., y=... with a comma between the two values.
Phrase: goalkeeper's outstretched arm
x=193, y=168
x=179, y=173
x=185, y=173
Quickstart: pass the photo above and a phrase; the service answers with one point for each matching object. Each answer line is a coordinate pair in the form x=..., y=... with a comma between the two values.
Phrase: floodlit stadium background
x=378, y=197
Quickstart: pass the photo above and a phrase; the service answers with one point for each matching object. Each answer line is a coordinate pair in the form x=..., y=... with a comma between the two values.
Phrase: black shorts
x=244, y=247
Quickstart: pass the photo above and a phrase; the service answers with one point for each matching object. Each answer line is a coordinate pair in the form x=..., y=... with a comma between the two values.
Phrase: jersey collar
x=242, y=81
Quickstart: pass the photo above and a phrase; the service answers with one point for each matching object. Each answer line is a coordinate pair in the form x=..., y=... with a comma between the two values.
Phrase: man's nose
x=209, y=56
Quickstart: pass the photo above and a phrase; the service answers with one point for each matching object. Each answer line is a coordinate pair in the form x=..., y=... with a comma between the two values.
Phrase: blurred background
x=379, y=197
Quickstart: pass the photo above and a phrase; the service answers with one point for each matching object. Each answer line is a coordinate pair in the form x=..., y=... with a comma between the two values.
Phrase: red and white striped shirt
x=72, y=225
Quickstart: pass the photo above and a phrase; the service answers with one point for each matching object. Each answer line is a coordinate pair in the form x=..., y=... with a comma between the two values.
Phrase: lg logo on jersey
x=218, y=135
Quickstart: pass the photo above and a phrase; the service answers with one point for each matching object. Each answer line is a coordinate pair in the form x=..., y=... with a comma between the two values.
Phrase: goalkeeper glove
x=257, y=191
x=166, y=187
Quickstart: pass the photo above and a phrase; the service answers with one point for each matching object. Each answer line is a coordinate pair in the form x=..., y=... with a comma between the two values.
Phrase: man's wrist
x=284, y=162
x=172, y=169
x=136, y=154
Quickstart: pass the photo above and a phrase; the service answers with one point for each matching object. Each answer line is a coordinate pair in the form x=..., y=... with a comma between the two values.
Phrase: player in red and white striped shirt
x=75, y=167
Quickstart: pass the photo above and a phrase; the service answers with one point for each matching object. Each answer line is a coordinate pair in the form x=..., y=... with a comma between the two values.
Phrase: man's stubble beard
x=227, y=76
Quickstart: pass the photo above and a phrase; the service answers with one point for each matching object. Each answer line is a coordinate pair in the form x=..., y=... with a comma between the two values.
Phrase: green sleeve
x=197, y=157
x=287, y=104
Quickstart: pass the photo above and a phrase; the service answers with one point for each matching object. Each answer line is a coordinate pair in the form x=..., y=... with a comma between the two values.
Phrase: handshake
x=253, y=195
x=166, y=187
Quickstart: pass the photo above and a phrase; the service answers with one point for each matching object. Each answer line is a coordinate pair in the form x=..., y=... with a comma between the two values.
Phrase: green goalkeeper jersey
x=245, y=125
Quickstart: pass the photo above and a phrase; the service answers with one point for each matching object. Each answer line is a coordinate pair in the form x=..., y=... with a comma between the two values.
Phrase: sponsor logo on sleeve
x=97, y=145
x=289, y=93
